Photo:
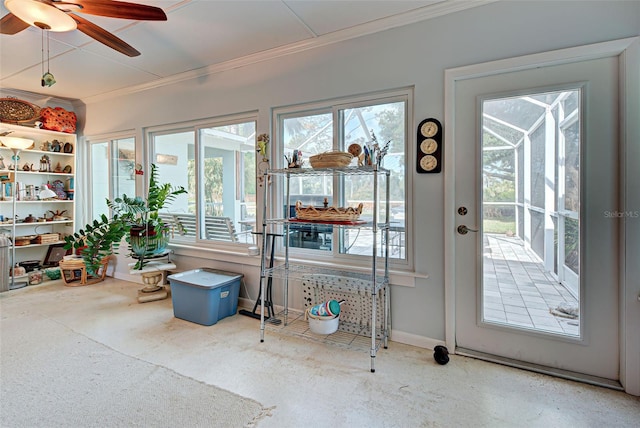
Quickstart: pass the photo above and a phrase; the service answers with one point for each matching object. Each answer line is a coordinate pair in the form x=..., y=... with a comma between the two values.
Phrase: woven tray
x=13, y=110
x=328, y=214
x=330, y=159
x=355, y=311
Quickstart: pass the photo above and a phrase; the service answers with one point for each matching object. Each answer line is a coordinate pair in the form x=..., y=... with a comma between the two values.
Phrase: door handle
x=463, y=230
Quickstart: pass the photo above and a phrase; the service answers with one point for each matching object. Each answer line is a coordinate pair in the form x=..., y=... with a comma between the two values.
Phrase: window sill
x=240, y=256
x=396, y=277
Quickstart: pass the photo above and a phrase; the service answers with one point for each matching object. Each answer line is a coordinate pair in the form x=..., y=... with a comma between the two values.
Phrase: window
x=320, y=128
x=215, y=163
x=112, y=171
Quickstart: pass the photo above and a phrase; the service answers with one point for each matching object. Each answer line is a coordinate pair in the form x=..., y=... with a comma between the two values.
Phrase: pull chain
x=47, y=78
x=42, y=56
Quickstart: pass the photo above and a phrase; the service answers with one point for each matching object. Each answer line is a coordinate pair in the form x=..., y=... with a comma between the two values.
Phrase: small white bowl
x=323, y=325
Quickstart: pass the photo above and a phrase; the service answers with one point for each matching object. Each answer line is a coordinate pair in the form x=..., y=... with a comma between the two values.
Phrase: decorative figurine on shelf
x=14, y=161
x=55, y=146
x=373, y=154
x=45, y=164
x=295, y=160
x=356, y=151
x=57, y=215
x=2, y=166
x=46, y=146
x=58, y=168
x=263, y=144
x=26, y=167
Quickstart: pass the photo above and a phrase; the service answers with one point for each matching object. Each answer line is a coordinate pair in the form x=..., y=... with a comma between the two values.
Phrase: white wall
x=415, y=55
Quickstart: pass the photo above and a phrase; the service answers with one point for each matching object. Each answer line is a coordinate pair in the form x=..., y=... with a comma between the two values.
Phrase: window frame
x=334, y=106
x=196, y=126
x=110, y=139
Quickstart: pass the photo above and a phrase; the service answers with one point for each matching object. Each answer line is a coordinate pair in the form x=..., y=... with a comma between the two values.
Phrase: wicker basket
x=21, y=241
x=47, y=238
x=330, y=159
x=312, y=213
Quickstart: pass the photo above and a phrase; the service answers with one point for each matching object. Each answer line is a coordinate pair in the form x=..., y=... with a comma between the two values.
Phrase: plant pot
x=147, y=242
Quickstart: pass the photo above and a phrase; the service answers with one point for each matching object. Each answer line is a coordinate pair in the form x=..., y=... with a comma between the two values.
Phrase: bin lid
x=205, y=277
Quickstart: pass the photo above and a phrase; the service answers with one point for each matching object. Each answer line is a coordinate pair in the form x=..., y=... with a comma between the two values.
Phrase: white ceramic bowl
x=323, y=325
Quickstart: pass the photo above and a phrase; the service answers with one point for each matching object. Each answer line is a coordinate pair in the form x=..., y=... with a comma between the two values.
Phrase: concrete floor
x=306, y=383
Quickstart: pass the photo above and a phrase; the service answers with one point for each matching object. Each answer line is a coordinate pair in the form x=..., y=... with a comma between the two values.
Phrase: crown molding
x=444, y=7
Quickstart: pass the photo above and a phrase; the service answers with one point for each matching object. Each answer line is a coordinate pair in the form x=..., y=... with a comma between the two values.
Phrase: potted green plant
x=135, y=219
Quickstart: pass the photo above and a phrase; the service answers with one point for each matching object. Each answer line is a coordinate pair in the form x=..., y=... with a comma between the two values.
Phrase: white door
x=536, y=167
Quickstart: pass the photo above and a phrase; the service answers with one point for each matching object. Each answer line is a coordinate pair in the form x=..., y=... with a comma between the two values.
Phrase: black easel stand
x=268, y=299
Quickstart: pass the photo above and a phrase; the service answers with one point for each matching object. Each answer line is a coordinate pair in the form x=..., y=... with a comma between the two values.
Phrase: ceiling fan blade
x=11, y=24
x=104, y=37
x=117, y=9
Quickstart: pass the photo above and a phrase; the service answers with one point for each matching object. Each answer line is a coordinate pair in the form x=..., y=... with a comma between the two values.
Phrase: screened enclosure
x=531, y=180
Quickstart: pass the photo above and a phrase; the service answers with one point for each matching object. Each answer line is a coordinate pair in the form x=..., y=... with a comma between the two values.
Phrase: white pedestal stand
x=152, y=278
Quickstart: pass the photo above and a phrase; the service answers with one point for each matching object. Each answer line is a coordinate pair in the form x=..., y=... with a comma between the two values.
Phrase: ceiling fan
x=59, y=15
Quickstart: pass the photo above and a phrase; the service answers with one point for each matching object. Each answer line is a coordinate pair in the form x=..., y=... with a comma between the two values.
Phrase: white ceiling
x=199, y=37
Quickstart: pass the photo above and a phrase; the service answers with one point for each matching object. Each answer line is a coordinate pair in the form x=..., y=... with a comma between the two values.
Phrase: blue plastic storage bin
x=204, y=296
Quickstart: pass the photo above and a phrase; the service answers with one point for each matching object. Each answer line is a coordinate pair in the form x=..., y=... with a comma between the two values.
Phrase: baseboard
x=245, y=303
x=414, y=339
x=126, y=277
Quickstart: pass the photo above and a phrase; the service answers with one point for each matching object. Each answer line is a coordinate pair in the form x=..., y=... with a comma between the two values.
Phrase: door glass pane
x=530, y=209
